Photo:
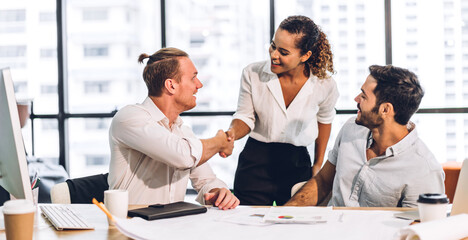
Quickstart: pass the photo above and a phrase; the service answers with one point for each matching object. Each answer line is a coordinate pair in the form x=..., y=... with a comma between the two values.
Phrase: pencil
x=103, y=208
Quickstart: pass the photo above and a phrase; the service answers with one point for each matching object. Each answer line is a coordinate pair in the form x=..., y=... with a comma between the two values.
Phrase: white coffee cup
x=116, y=201
x=432, y=206
x=19, y=219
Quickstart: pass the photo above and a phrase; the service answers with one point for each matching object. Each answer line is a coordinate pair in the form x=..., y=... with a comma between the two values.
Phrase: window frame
x=63, y=113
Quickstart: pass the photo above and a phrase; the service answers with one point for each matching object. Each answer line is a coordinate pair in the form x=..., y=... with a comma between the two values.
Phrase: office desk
x=43, y=229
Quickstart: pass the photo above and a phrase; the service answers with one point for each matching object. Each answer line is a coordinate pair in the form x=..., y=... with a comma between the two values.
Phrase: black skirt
x=266, y=172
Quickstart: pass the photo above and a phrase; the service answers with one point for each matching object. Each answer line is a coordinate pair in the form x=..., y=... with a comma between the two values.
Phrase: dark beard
x=370, y=119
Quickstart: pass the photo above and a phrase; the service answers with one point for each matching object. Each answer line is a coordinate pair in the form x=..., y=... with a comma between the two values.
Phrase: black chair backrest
x=83, y=190
x=4, y=195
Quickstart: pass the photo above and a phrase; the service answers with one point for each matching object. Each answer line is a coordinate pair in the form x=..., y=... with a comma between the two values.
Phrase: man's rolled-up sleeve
x=203, y=180
x=139, y=132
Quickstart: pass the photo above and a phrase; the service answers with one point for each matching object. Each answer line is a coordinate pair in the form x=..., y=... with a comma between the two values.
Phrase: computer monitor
x=14, y=176
x=460, y=199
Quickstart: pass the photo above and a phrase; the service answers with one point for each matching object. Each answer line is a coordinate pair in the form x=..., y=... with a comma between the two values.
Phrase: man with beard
x=378, y=159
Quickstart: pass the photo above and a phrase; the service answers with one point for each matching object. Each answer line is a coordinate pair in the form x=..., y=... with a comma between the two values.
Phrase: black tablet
x=158, y=211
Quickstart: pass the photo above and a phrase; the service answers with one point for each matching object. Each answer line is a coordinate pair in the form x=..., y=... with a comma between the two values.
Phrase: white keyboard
x=64, y=217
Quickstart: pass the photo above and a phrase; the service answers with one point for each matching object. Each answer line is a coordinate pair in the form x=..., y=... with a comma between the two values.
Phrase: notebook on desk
x=158, y=211
x=460, y=199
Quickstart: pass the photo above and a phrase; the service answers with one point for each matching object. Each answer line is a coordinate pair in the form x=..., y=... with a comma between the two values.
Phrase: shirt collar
x=402, y=145
x=267, y=69
x=159, y=116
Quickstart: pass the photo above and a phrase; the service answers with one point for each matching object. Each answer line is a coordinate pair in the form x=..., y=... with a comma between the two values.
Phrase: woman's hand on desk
x=221, y=198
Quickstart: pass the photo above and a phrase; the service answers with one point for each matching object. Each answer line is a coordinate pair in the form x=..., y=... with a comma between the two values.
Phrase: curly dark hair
x=162, y=65
x=397, y=86
x=311, y=38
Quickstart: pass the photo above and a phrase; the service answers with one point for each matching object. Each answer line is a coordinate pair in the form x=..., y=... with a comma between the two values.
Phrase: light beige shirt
x=261, y=106
x=154, y=161
x=394, y=179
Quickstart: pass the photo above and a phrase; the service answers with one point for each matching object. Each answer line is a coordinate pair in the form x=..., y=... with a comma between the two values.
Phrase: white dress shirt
x=394, y=179
x=261, y=106
x=154, y=161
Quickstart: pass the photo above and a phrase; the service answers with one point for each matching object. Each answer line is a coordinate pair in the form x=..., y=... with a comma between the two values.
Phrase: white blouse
x=261, y=106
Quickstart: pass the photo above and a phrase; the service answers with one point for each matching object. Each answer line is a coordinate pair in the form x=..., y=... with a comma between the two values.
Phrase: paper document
x=454, y=227
x=245, y=223
x=246, y=216
x=132, y=228
x=308, y=215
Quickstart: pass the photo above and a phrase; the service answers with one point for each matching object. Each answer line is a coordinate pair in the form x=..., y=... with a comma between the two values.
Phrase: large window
x=88, y=146
x=355, y=30
x=426, y=38
x=104, y=41
x=222, y=37
x=430, y=38
x=28, y=43
x=77, y=87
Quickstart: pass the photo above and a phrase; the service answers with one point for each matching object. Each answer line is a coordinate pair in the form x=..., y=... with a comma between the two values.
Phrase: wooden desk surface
x=43, y=229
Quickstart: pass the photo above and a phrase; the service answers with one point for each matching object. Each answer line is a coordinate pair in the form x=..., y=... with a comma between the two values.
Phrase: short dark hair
x=162, y=65
x=397, y=86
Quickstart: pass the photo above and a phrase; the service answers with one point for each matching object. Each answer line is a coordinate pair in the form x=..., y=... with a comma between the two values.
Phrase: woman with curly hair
x=286, y=104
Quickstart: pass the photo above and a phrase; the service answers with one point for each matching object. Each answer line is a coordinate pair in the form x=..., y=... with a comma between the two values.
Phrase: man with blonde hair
x=153, y=155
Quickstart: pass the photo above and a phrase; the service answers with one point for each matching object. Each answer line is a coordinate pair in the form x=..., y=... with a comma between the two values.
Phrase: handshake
x=226, y=142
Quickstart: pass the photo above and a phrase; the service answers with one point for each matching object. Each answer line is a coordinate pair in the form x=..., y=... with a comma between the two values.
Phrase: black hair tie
x=151, y=59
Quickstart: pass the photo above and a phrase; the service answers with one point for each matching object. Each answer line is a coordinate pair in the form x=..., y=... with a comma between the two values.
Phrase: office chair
x=296, y=187
x=80, y=190
x=452, y=172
